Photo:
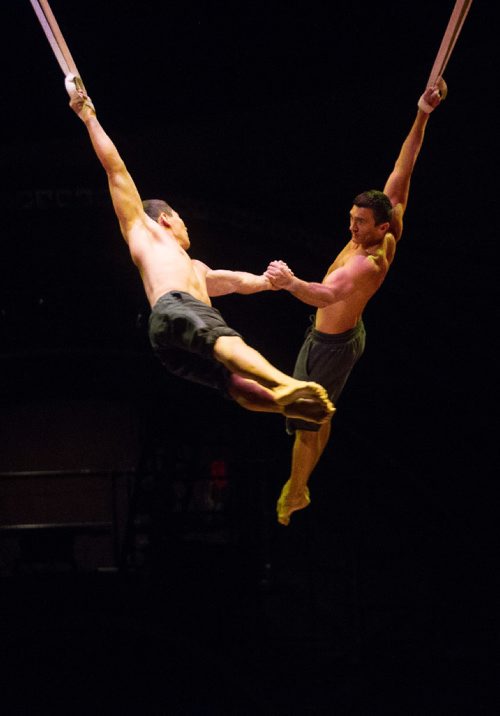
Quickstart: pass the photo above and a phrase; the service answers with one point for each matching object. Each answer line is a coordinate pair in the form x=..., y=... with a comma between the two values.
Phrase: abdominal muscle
x=343, y=315
x=338, y=317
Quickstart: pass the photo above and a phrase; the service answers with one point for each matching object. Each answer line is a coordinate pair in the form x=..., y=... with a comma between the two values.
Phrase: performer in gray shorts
x=187, y=333
x=327, y=358
x=182, y=332
x=353, y=277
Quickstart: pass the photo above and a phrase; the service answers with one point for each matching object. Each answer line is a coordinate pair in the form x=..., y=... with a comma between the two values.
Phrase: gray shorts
x=327, y=359
x=182, y=332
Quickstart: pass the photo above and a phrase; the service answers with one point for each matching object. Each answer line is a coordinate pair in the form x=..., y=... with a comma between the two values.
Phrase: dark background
x=259, y=122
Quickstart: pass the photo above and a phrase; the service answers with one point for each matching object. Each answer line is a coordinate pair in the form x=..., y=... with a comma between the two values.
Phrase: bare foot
x=304, y=400
x=309, y=410
x=288, y=504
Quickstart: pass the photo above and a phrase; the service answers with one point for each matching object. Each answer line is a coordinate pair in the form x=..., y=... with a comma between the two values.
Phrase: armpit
x=396, y=227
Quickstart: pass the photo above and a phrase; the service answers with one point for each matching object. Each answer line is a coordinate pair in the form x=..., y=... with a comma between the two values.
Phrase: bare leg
x=278, y=392
x=252, y=396
x=307, y=450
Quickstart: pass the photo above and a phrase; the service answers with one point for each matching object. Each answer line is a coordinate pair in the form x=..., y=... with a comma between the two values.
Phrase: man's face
x=362, y=226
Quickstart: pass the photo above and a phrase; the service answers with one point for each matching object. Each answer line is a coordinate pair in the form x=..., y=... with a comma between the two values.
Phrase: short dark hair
x=154, y=207
x=378, y=202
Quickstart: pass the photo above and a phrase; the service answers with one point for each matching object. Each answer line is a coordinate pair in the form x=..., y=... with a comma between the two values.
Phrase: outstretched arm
x=126, y=200
x=397, y=186
x=221, y=282
x=338, y=285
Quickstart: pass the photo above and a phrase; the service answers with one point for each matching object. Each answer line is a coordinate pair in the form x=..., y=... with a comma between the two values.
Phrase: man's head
x=163, y=214
x=154, y=207
x=378, y=202
x=371, y=216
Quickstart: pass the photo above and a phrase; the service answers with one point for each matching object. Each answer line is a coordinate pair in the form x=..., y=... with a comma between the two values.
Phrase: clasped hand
x=279, y=274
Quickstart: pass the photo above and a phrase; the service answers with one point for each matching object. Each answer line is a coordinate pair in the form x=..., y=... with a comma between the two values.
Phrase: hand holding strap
x=433, y=96
x=77, y=94
x=424, y=105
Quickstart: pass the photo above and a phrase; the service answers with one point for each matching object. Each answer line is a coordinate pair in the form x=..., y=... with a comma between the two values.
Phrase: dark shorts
x=182, y=332
x=327, y=359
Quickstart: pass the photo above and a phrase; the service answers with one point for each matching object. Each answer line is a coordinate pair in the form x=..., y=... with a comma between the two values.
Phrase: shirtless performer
x=336, y=340
x=187, y=334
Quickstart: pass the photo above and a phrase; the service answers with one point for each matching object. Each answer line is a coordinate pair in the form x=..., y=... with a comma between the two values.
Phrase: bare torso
x=345, y=314
x=164, y=265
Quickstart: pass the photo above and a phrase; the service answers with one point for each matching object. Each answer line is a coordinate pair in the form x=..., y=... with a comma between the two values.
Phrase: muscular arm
x=397, y=186
x=337, y=286
x=125, y=197
x=221, y=282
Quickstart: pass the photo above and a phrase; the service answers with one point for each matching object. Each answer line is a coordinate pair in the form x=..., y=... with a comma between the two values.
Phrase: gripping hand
x=279, y=274
x=433, y=96
x=79, y=102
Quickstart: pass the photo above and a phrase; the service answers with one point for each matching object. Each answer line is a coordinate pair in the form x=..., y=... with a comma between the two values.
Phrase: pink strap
x=54, y=36
x=449, y=39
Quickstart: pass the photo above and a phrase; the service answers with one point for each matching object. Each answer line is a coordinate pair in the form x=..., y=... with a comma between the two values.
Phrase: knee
x=225, y=346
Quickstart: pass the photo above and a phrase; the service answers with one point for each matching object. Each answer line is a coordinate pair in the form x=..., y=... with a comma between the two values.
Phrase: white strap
x=54, y=36
x=453, y=29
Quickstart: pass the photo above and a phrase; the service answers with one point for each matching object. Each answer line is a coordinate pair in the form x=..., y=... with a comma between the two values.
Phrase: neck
x=368, y=248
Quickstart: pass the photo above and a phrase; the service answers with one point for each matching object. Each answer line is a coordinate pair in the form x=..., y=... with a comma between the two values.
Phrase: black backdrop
x=260, y=122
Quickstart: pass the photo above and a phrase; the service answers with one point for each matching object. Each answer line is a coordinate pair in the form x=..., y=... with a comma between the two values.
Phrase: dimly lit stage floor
x=359, y=607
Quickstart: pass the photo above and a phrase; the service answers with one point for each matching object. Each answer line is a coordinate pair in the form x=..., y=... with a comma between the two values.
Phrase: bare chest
x=341, y=259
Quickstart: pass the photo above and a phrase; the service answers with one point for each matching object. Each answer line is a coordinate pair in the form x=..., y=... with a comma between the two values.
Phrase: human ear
x=163, y=220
